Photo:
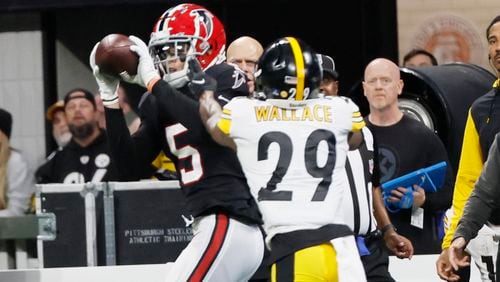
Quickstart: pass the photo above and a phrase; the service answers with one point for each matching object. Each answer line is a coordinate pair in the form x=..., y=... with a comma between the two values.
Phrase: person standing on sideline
x=227, y=244
x=245, y=52
x=405, y=145
x=363, y=206
x=86, y=157
x=483, y=123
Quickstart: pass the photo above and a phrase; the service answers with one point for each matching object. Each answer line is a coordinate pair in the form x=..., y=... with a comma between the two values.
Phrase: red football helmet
x=184, y=32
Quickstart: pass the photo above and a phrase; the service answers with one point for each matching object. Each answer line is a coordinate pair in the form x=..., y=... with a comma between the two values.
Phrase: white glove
x=107, y=84
x=145, y=70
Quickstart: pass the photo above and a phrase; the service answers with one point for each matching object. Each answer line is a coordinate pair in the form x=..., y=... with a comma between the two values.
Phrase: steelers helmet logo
x=388, y=164
x=102, y=160
x=84, y=159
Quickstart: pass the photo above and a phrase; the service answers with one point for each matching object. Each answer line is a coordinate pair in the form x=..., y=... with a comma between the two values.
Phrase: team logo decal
x=204, y=19
x=239, y=78
x=187, y=220
x=102, y=160
x=84, y=159
x=388, y=164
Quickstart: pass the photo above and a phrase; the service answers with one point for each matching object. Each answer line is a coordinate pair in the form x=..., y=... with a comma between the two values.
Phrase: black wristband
x=387, y=227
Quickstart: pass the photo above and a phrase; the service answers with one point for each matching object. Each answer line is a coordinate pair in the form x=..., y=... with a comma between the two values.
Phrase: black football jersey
x=210, y=175
x=75, y=164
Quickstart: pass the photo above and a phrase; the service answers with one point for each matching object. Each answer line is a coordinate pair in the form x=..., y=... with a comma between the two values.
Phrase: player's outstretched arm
x=204, y=86
x=210, y=112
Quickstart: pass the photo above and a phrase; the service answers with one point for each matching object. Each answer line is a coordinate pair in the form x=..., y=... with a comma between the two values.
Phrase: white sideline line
x=121, y=273
x=420, y=268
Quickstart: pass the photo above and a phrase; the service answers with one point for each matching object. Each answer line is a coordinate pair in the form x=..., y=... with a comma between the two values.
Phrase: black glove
x=199, y=80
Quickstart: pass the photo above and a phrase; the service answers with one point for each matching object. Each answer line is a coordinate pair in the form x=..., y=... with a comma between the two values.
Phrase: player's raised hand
x=107, y=84
x=199, y=80
x=146, y=71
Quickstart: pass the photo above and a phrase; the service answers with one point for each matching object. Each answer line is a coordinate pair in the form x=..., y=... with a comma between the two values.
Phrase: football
x=114, y=57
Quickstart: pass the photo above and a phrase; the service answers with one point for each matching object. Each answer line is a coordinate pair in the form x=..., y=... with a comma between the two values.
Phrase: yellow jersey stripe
x=357, y=125
x=299, y=64
x=226, y=111
x=357, y=122
x=224, y=125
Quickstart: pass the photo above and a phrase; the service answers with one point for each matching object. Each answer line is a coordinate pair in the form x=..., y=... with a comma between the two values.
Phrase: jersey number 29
x=284, y=141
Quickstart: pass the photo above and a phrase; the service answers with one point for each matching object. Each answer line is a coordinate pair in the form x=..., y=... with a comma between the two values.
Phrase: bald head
x=385, y=66
x=382, y=86
x=245, y=52
x=246, y=48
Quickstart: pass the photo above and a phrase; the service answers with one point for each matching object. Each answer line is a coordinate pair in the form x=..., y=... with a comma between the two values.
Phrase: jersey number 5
x=184, y=152
x=311, y=163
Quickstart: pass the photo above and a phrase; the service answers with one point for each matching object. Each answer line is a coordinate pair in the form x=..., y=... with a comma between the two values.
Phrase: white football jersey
x=293, y=155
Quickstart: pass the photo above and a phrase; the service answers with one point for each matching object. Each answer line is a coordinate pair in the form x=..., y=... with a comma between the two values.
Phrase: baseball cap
x=57, y=106
x=328, y=65
x=79, y=93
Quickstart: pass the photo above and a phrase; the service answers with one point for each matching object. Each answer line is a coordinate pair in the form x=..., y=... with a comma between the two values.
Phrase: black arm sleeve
x=484, y=197
x=132, y=155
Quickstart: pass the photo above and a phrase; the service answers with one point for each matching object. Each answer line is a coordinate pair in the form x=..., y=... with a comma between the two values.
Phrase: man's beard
x=63, y=139
x=83, y=131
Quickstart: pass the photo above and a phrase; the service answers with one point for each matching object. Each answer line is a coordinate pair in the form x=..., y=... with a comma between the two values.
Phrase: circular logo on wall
x=450, y=38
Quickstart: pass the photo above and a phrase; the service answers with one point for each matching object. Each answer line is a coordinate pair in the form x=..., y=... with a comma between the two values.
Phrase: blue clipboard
x=430, y=178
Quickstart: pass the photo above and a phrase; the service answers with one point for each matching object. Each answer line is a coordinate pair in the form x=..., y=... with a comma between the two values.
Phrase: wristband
x=152, y=83
x=387, y=228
